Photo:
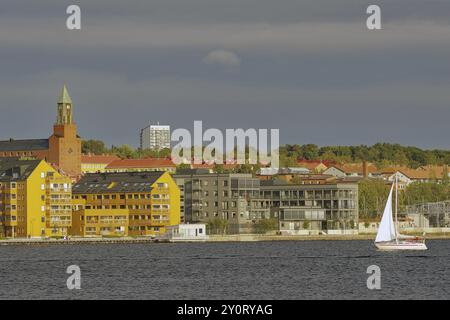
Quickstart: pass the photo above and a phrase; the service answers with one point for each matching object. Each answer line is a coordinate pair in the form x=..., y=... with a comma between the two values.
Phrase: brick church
x=62, y=149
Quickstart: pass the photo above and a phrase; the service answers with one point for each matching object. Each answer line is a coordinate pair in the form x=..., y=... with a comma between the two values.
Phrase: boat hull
x=394, y=246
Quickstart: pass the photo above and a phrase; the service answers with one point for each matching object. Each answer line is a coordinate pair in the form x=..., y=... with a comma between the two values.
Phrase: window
x=42, y=175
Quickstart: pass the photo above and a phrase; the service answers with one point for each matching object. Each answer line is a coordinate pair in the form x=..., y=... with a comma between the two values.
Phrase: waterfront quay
x=210, y=239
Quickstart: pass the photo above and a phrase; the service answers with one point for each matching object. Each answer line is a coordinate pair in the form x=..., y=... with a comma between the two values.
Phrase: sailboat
x=388, y=236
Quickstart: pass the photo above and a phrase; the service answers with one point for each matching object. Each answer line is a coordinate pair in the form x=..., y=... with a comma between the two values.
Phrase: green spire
x=64, y=97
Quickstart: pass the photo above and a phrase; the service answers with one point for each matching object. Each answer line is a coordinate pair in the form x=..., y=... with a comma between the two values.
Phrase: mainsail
x=386, y=231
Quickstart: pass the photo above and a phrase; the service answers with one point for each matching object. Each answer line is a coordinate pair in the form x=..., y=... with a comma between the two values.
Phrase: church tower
x=65, y=144
x=64, y=108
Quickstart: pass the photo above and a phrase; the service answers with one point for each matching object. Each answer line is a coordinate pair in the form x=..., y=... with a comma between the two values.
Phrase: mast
x=396, y=207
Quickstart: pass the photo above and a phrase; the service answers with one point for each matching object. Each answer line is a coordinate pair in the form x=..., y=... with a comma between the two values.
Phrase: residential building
x=361, y=169
x=325, y=208
x=129, y=203
x=335, y=171
x=155, y=137
x=35, y=200
x=62, y=149
x=421, y=174
x=287, y=173
x=227, y=196
x=92, y=163
x=141, y=165
x=242, y=201
x=315, y=166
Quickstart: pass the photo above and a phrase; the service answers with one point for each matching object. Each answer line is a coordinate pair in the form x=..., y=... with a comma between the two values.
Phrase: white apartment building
x=155, y=137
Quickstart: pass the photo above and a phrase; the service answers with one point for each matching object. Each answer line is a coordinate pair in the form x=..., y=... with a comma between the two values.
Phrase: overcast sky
x=309, y=68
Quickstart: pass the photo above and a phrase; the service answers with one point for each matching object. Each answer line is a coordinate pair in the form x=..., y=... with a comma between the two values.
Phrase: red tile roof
x=141, y=163
x=357, y=168
x=421, y=173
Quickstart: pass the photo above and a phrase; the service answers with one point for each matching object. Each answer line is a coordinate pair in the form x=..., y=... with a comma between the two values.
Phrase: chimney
x=365, y=169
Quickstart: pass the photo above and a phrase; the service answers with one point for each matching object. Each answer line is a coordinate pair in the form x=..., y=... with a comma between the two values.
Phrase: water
x=251, y=270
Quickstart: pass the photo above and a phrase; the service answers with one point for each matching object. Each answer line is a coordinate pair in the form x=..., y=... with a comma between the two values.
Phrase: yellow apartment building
x=35, y=200
x=125, y=204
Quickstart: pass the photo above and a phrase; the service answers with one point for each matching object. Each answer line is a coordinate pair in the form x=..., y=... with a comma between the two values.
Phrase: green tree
x=93, y=146
x=124, y=151
x=306, y=224
x=426, y=192
x=265, y=225
x=310, y=151
x=183, y=166
x=217, y=226
x=372, y=197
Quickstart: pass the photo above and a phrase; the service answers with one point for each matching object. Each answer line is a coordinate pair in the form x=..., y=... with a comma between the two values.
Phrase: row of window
x=122, y=196
x=130, y=207
x=132, y=218
x=197, y=183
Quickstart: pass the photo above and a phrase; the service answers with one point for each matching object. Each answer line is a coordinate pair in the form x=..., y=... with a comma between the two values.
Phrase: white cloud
x=222, y=57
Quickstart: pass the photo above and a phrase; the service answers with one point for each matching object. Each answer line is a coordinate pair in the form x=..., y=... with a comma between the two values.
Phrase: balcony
x=160, y=201
x=59, y=212
x=140, y=222
x=161, y=211
x=10, y=220
x=58, y=190
x=60, y=223
x=67, y=201
x=161, y=221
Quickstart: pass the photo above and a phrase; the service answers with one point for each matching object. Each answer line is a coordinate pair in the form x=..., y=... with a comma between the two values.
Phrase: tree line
x=382, y=154
x=373, y=193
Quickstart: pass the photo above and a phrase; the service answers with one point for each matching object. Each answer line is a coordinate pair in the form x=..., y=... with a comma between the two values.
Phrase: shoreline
x=211, y=239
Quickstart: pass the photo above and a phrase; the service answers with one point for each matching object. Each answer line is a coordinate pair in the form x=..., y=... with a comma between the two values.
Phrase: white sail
x=386, y=231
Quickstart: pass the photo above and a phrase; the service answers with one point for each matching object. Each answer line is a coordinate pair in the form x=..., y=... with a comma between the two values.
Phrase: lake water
x=245, y=270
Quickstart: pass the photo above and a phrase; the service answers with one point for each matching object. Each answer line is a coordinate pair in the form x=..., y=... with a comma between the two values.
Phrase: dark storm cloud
x=309, y=68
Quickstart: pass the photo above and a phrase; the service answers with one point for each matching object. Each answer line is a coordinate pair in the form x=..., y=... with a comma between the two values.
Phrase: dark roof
x=116, y=182
x=192, y=171
x=24, y=145
x=276, y=182
x=15, y=169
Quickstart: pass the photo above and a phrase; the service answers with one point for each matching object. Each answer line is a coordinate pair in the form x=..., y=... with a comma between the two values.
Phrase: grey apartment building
x=321, y=208
x=205, y=196
x=243, y=200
